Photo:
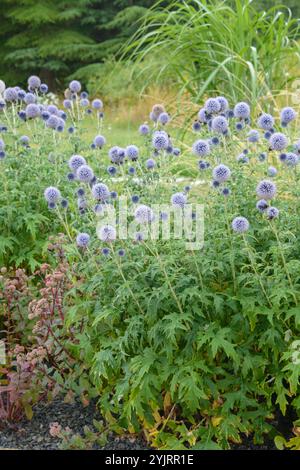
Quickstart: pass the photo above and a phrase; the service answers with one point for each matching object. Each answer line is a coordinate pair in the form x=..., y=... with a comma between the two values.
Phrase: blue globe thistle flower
x=75, y=86
x=278, y=141
x=52, y=109
x=114, y=194
x=100, y=192
x=121, y=252
x=176, y=152
x=178, y=200
x=272, y=171
x=221, y=173
x=202, y=165
x=24, y=140
x=45, y=115
x=160, y=140
x=116, y=155
x=112, y=170
x=99, y=141
x=164, y=118
x=60, y=125
x=82, y=204
x=143, y=214
x=76, y=161
x=272, y=213
x=262, y=157
x=52, y=194
x=284, y=124
x=203, y=115
x=253, y=136
x=242, y=110
x=169, y=149
x=32, y=111
x=131, y=170
x=215, y=184
x=22, y=95
x=105, y=251
x=67, y=104
x=30, y=98
x=262, y=205
x=219, y=124
x=71, y=130
x=212, y=106
x=132, y=152
x=93, y=146
x=144, y=129
x=70, y=176
x=240, y=224
x=135, y=198
x=64, y=203
x=292, y=159
x=230, y=114
x=51, y=205
x=201, y=148
x=214, y=141
x=187, y=189
x=44, y=88
x=265, y=121
x=97, y=104
x=287, y=115
x=150, y=164
x=282, y=157
x=84, y=102
x=10, y=94
x=225, y=191
x=239, y=126
x=223, y=103
x=85, y=173
x=80, y=192
x=153, y=117
x=101, y=115
x=107, y=233
x=157, y=109
x=84, y=95
x=82, y=240
x=52, y=122
x=196, y=126
x=266, y=189
x=62, y=115
x=34, y=82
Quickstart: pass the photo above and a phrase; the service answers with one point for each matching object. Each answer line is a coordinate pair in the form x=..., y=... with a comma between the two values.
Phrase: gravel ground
x=34, y=434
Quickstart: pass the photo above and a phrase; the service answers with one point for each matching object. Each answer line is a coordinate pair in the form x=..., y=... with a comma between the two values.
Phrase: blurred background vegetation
x=121, y=47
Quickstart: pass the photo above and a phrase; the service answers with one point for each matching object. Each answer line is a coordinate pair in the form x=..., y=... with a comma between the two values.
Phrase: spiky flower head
x=278, y=141
x=29, y=98
x=143, y=214
x=221, y=173
x=178, y=200
x=44, y=88
x=34, y=82
x=164, y=118
x=287, y=115
x=292, y=159
x=242, y=110
x=219, y=124
x=52, y=122
x=266, y=189
x=160, y=140
x=100, y=192
x=76, y=161
x=212, y=106
x=150, y=163
x=157, y=109
x=82, y=240
x=107, y=233
x=75, y=86
x=265, y=121
x=272, y=212
x=223, y=103
x=10, y=94
x=99, y=141
x=24, y=139
x=240, y=224
x=262, y=205
x=203, y=115
x=97, y=104
x=132, y=152
x=144, y=129
x=201, y=148
x=85, y=173
x=52, y=194
x=253, y=136
x=272, y=171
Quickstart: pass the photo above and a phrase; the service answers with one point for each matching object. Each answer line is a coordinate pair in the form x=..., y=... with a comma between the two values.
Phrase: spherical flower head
x=100, y=192
x=242, y=110
x=107, y=233
x=169, y=149
x=10, y=94
x=278, y=141
x=67, y=104
x=22, y=95
x=253, y=136
x=265, y=121
x=196, y=126
x=240, y=224
x=82, y=240
x=176, y=152
x=157, y=110
x=164, y=118
x=114, y=194
x=62, y=115
x=143, y=214
x=84, y=102
x=282, y=157
x=150, y=164
x=71, y=176
x=135, y=198
x=80, y=192
x=112, y=170
x=144, y=129
x=212, y=106
x=178, y=200
x=203, y=115
x=225, y=191
x=152, y=117
x=272, y=213
x=219, y=124
x=34, y=82
x=44, y=88
x=221, y=173
x=75, y=86
x=223, y=103
x=287, y=114
x=52, y=194
x=32, y=111
x=52, y=122
x=30, y=98
x=52, y=109
x=76, y=161
x=97, y=104
x=121, y=252
x=266, y=189
x=272, y=171
x=239, y=126
x=85, y=173
x=82, y=204
x=262, y=157
x=116, y=154
x=132, y=152
x=99, y=141
x=105, y=251
x=24, y=139
x=64, y=203
x=160, y=140
x=262, y=205
x=60, y=125
x=292, y=159
x=202, y=165
x=201, y=148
